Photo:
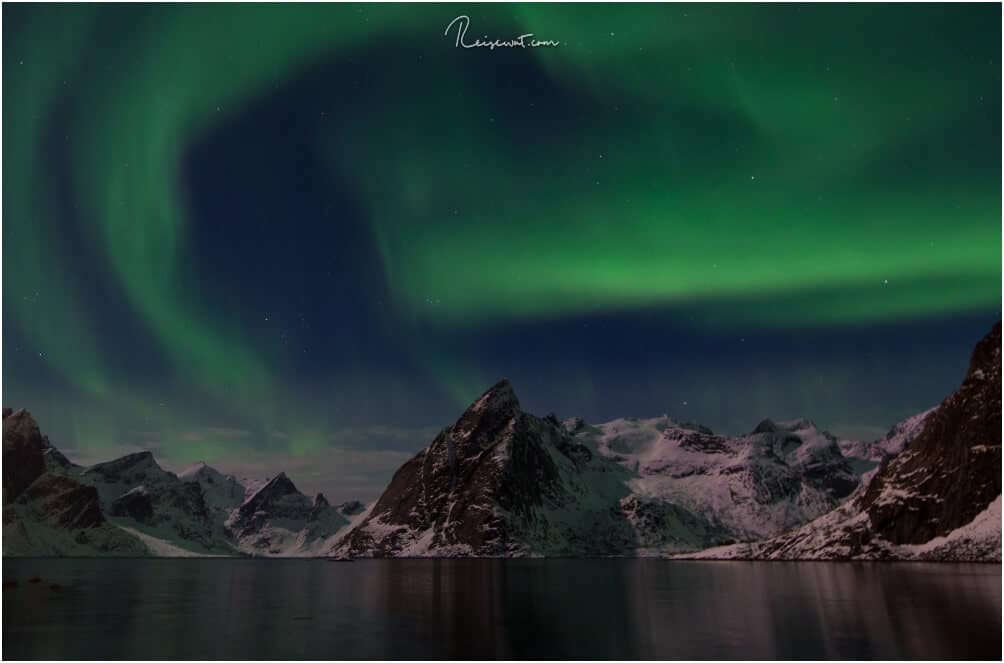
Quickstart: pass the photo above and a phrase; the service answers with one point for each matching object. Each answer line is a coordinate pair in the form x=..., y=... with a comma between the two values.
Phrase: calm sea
x=481, y=609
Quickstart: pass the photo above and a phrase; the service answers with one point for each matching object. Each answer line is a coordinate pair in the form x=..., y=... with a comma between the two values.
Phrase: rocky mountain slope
x=47, y=513
x=778, y=476
x=277, y=519
x=498, y=482
x=132, y=506
x=937, y=499
x=502, y=482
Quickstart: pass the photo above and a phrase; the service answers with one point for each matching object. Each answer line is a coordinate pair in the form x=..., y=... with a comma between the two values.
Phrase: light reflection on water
x=583, y=609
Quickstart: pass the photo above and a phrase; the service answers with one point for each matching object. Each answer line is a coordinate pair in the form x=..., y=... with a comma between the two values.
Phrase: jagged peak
x=20, y=421
x=986, y=356
x=320, y=500
x=802, y=423
x=501, y=396
x=280, y=484
x=788, y=425
x=193, y=471
x=280, y=481
x=127, y=462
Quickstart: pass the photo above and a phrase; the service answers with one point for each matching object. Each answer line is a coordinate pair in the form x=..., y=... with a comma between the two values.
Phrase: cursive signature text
x=523, y=41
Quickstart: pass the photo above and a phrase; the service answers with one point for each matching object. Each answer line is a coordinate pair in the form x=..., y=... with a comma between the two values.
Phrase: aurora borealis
x=263, y=233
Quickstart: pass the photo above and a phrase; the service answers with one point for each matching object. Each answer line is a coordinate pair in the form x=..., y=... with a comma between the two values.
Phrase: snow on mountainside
x=279, y=520
x=132, y=506
x=503, y=482
x=222, y=491
x=137, y=493
x=938, y=499
x=46, y=513
x=482, y=487
x=865, y=456
x=753, y=486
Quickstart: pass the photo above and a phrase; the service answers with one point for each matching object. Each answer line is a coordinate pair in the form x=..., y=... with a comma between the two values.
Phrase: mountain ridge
x=501, y=482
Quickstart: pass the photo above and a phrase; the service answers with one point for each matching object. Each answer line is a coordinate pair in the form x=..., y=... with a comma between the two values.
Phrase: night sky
x=305, y=237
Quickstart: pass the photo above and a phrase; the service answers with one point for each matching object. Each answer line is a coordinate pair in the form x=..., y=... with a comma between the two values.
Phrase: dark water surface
x=294, y=609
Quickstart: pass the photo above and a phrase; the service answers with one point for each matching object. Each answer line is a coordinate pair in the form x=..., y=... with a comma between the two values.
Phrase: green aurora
x=763, y=167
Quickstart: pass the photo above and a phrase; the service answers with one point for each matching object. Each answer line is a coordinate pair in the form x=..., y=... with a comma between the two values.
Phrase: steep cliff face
x=952, y=471
x=63, y=502
x=502, y=482
x=23, y=453
x=937, y=499
x=47, y=512
x=460, y=494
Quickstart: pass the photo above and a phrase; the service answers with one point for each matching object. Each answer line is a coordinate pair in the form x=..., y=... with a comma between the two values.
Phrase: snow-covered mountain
x=865, y=456
x=503, y=482
x=47, y=513
x=137, y=494
x=132, y=506
x=498, y=482
x=277, y=519
x=780, y=475
x=937, y=499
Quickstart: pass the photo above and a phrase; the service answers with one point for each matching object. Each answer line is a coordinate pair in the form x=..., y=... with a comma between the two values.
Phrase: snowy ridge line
x=501, y=482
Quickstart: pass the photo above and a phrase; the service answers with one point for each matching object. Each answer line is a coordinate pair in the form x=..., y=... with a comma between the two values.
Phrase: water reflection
x=590, y=609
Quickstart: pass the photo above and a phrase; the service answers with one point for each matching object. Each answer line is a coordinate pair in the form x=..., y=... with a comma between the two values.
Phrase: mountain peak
x=986, y=358
x=133, y=462
x=500, y=397
x=802, y=423
x=23, y=449
x=789, y=426
x=193, y=472
x=278, y=485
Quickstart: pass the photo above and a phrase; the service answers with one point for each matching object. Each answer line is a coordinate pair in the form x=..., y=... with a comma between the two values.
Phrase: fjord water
x=584, y=609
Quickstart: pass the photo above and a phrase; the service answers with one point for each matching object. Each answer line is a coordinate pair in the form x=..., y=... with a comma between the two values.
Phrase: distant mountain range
x=501, y=482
